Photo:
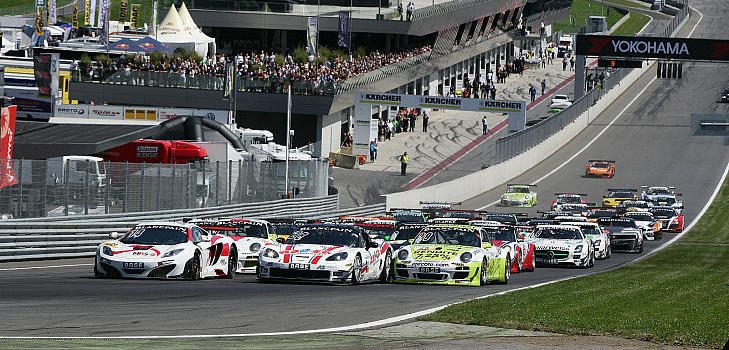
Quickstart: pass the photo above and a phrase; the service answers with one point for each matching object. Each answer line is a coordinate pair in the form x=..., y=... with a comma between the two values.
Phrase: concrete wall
x=485, y=180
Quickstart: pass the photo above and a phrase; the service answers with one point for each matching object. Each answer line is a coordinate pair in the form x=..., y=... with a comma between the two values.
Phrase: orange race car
x=600, y=168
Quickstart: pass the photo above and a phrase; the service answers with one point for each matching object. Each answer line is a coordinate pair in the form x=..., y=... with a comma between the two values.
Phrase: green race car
x=518, y=195
x=451, y=254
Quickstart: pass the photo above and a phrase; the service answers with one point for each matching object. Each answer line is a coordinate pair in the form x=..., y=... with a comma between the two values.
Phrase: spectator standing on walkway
x=375, y=143
x=572, y=63
x=372, y=151
x=532, y=92
x=409, y=10
x=544, y=85
x=399, y=10
x=564, y=63
x=404, y=163
x=493, y=92
x=412, y=121
x=490, y=79
x=425, y=121
x=485, y=125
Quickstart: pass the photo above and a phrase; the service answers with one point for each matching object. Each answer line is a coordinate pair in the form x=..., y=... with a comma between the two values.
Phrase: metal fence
x=81, y=187
x=520, y=142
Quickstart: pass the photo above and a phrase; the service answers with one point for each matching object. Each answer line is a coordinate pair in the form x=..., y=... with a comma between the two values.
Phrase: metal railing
x=50, y=189
x=517, y=143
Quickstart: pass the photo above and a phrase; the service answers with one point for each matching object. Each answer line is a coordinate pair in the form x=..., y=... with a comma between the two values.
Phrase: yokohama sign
x=649, y=47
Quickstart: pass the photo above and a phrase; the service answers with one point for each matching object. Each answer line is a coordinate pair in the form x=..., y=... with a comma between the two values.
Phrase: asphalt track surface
x=651, y=142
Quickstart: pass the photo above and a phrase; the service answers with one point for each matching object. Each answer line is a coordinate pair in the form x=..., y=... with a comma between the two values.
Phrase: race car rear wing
x=530, y=185
x=622, y=189
x=576, y=194
x=438, y=204
x=600, y=160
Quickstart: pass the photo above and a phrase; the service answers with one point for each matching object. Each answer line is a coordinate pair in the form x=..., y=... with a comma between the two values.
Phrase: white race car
x=567, y=198
x=505, y=237
x=327, y=253
x=645, y=221
x=662, y=196
x=600, y=239
x=166, y=250
x=563, y=245
x=250, y=235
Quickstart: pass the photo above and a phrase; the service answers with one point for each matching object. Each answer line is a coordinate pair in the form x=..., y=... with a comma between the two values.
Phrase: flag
x=229, y=80
x=39, y=21
x=344, y=27
x=74, y=16
x=312, y=35
x=52, y=19
x=104, y=22
x=135, y=15
x=123, y=10
x=92, y=19
x=7, y=142
x=87, y=12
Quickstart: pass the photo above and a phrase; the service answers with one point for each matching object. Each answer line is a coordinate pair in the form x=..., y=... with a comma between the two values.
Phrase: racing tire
x=232, y=264
x=507, y=273
x=386, y=274
x=97, y=274
x=658, y=236
x=516, y=267
x=484, y=273
x=640, y=249
x=591, y=262
x=193, y=268
x=357, y=270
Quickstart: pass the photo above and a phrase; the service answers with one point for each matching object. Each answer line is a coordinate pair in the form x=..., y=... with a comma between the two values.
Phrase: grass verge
x=678, y=296
x=632, y=25
x=581, y=10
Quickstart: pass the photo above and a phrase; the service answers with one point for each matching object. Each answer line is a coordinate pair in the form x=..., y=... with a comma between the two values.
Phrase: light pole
x=288, y=140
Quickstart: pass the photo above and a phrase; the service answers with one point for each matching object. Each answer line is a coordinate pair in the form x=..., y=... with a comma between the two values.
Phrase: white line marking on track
x=410, y=316
x=41, y=267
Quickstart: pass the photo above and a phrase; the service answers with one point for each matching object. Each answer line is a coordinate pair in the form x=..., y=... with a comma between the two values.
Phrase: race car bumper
x=447, y=273
x=514, y=203
x=631, y=244
x=335, y=273
x=560, y=257
x=247, y=262
x=159, y=268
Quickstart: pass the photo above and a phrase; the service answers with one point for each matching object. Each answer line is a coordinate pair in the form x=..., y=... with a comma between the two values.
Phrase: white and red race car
x=166, y=250
x=567, y=198
x=672, y=219
x=506, y=238
x=250, y=235
x=327, y=253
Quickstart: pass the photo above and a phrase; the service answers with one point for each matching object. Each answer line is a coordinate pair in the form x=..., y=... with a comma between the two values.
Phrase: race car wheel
x=193, y=268
x=232, y=264
x=640, y=249
x=516, y=267
x=507, y=273
x=484, y=272
x=658, y=235
x=591, y=262
x=609, y=252
x=97, y=274
x=386, y=274
x=357, y=270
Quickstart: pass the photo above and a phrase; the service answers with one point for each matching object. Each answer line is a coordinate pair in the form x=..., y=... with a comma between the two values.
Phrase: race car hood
x=438, y=252
x=515, y=196
x=245, y=243
x=138, y=251
x=307, y=251
x=555, y=244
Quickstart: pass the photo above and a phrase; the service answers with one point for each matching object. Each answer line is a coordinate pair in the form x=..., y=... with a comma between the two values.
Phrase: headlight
x=466, y=257
x=337, y=257
x=255, y=247
x=172, y=253
x=578, y=249
x=402, y=255
x=107, y=251
x=270, y=253
x=597, y=242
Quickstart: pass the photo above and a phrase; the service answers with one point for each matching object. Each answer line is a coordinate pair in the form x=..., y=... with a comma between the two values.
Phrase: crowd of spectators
x=266, y=71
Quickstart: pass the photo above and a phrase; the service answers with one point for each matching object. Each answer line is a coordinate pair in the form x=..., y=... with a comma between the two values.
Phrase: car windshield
x=378, y=231
x=451, y=236
x=629, y=223
x=285, y=228
x=500, y=234
x=237, y=229
x=502, y=218
x=517, y=189
x=589, y=229
x=602, y=213
x=642, y=217
x=658, y=190
x=569, y=200
x=156, y=235
x=600, y=165
x=621, y=195
x=335, y=236
x=667, y=213
x=557, y=233
x=405, y=233
x=666, y=200
x=409, y=216
x=460, y=215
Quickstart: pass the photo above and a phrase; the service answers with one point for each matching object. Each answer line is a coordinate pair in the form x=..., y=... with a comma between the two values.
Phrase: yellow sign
x=74, y=17
x=87, y=11
x=39, y=20
x=135, y=15
x=123, y=10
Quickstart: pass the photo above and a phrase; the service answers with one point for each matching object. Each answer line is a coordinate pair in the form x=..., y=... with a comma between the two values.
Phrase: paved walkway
x=450, y=131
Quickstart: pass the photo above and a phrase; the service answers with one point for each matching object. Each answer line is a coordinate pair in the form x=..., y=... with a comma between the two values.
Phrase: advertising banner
x=42, y=73
x=134, y=21
x=7, y=143
x=39, y=23
x=220, y=116
x=71, y=111
x=140, y=113
x=52, y=19
x=312, y=35
x=104, y=22
x=229, y=80
x=74, y=15
x=106, y=112
x=123, y=10
x=87, y=12
x=650, y=47
x=92, y=11
x=343, y=33
x=171, y=113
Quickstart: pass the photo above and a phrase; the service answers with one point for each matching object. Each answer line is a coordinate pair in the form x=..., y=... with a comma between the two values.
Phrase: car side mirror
x=280, y=240
x=114, y=235
x=372, y=245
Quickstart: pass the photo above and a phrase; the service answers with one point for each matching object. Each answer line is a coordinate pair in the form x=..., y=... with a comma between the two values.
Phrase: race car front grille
x=110, y=271
x=161, y=272
x=431, y=276
x=558, y=254
x=133, y=271
x=460, y=275
x=250, y=263
x=402, y=272
x=308, y=274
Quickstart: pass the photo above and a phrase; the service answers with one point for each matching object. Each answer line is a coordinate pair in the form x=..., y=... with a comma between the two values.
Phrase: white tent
x=171, y=32
x=7, y=45
x=202, y=41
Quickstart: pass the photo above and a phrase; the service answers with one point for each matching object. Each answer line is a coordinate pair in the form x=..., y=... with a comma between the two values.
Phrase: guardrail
x=30, y=239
